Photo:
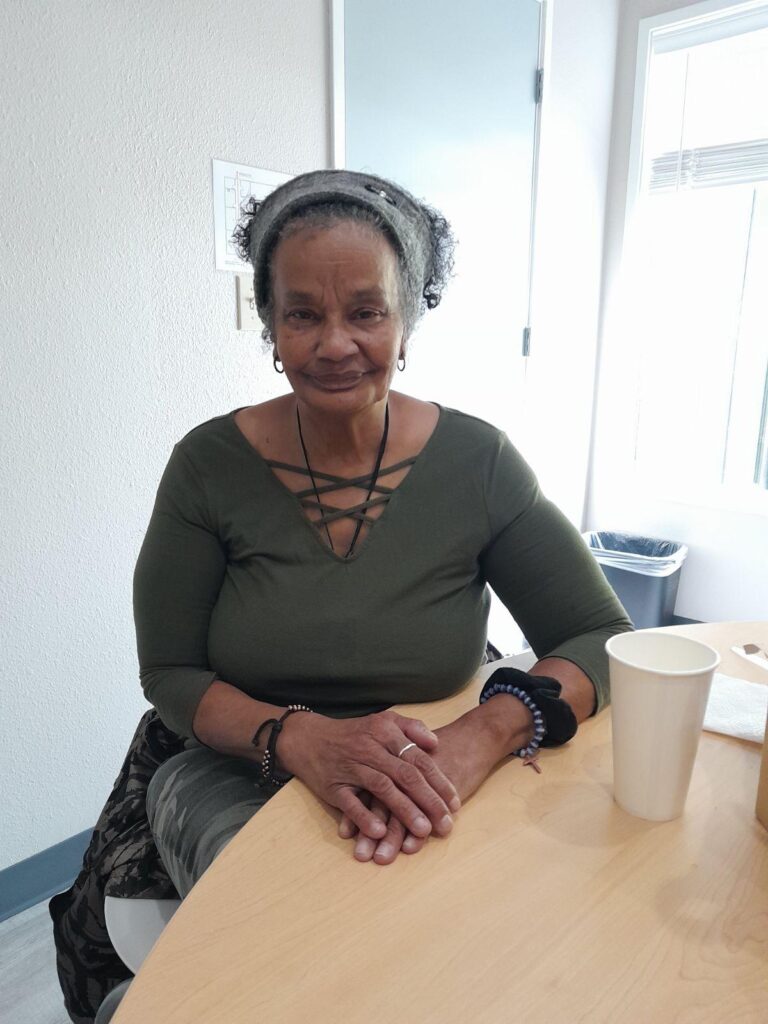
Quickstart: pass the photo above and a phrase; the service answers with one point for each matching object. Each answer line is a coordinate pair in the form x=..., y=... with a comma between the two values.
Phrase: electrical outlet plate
x=247, y=317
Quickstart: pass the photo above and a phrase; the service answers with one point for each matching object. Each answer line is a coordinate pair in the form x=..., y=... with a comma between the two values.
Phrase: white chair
x=135, y=925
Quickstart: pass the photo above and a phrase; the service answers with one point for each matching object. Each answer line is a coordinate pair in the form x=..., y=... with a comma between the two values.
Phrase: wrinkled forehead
x=349, y=257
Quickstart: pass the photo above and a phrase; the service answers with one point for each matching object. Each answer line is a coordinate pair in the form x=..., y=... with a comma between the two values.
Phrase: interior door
x=441, y=97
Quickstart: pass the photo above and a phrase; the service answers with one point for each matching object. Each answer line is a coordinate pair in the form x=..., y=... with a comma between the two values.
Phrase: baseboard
x=41, y=876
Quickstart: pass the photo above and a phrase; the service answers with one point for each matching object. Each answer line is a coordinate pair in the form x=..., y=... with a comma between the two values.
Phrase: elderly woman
x=315, y=559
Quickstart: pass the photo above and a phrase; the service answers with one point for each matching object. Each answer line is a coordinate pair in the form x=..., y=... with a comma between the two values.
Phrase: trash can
x=643, y=571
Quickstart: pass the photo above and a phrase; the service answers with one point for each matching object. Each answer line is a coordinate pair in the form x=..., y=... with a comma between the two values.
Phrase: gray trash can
x=643, y=571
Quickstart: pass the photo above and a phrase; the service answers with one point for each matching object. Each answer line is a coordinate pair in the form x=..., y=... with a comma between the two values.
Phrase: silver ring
x=406, y=747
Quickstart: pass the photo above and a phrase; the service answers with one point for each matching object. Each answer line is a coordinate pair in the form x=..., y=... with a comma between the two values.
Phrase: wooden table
x=547, y=903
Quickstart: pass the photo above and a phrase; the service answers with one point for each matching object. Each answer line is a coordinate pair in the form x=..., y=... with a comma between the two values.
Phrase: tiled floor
x=29, y=986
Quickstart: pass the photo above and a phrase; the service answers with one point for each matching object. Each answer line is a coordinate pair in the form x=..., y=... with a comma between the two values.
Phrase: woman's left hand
x=464, y=755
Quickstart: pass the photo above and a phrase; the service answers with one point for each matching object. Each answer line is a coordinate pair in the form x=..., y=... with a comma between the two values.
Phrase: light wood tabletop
x=547, y=903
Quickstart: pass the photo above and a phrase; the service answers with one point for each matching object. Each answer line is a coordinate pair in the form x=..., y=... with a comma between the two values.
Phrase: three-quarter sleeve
x=540, y=567
x=176, y=583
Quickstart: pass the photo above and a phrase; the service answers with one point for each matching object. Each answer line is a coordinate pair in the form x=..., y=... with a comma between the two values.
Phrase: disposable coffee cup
x=660, y=685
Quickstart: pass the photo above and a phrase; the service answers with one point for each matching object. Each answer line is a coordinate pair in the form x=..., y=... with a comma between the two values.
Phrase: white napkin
x=737, y=708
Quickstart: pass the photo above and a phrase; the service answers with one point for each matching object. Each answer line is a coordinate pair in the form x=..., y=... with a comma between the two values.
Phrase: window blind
x=735, y=164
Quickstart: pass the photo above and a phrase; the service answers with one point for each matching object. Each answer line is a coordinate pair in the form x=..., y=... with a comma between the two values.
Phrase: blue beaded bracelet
x=538, y=718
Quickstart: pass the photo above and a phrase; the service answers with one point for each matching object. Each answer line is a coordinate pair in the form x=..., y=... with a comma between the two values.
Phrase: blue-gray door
x=441, y=97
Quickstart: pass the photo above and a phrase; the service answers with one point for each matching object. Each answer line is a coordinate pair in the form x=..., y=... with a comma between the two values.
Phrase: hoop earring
x=401, y=368
x=275, y=361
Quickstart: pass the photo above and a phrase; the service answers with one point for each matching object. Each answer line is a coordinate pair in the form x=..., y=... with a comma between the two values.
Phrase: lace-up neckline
x=330, y=513
x=304, y=500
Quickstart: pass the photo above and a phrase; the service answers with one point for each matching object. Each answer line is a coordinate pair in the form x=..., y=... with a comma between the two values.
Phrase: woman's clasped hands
x=464, y=754
x=354, y=764
x=389, y=803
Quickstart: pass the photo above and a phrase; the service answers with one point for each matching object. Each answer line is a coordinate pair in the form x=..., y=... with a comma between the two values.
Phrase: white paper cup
x=660, y=685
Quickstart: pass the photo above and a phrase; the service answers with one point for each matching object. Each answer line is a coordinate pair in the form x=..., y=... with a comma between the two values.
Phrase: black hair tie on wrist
x=269, y=773
x=560, y=723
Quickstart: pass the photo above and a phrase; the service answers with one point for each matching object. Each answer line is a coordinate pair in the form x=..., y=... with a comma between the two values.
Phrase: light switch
x=247, y=317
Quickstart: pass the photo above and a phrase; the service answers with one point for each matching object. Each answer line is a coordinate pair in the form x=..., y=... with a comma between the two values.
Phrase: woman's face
x=338, y=328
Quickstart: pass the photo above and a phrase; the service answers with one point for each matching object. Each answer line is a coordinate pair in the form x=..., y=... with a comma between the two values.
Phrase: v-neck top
x=310, y=497
x=233, y=582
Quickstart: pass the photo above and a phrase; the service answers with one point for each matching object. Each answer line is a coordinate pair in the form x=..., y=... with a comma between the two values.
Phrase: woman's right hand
x=340, y=758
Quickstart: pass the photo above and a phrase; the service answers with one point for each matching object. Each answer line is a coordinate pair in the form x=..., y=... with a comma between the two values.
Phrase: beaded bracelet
x=267, y=767
x=557, y=717
x=539, y=728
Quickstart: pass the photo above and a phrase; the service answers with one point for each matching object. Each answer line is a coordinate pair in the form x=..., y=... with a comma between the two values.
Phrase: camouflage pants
x=196, y=802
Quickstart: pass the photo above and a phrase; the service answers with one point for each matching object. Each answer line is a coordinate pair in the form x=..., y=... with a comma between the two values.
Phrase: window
x=696, y=252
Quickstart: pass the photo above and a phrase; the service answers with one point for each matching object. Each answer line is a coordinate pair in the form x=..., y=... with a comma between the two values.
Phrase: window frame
x=707, y=19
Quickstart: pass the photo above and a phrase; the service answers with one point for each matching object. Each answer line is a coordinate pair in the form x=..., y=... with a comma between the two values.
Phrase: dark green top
x=234, y=582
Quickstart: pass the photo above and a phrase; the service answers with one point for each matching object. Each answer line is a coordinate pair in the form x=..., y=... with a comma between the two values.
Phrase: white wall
x=573, y=175
x=118, y=336
x=724, y=577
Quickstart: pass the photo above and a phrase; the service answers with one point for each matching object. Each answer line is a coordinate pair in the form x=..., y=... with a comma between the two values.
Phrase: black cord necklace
x=377, y=467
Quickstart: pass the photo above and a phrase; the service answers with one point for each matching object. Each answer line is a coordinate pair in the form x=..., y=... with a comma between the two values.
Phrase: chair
x=135, y=925
x=111, y=1002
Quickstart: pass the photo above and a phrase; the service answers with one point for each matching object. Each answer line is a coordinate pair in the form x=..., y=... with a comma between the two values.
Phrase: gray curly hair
x=420, y=236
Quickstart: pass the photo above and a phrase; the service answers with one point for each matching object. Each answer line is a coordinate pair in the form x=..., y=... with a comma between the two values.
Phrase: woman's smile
x=337, y=381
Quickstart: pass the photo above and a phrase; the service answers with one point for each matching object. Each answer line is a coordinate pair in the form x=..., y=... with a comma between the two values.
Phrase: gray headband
x=396, y=207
